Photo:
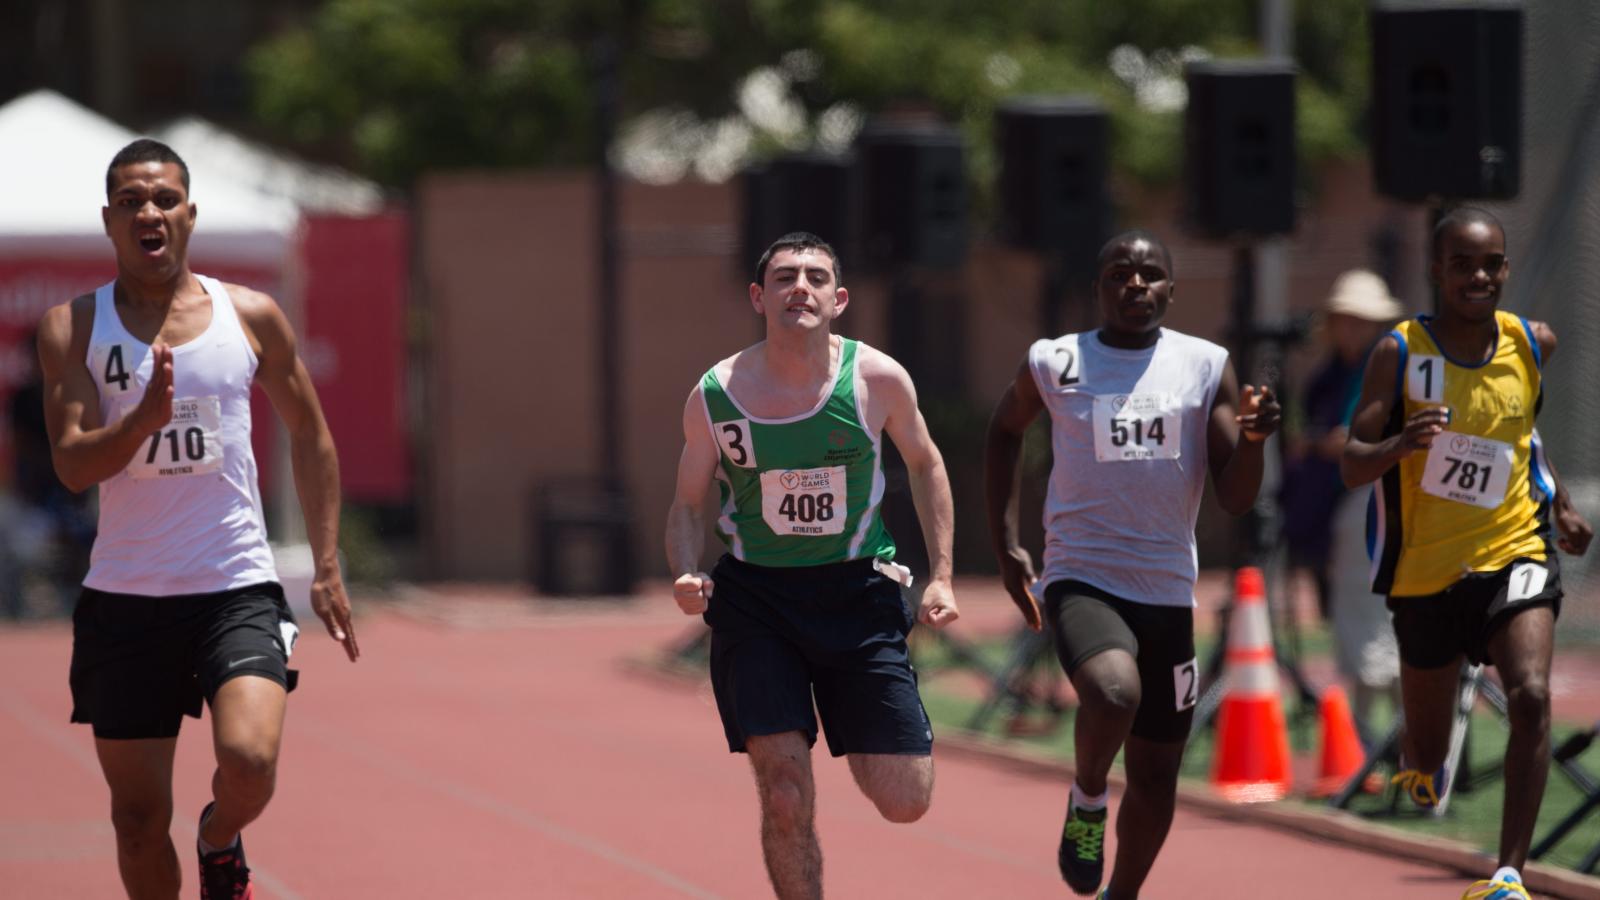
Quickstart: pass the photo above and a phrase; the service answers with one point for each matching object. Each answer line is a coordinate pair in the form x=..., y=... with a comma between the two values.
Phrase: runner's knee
x=249, y=767
x=1116, y=693
x=140, y=824
x=1528, y=704
x=785, y=800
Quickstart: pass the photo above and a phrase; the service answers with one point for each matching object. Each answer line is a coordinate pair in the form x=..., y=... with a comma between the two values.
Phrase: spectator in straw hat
x=1358, y=311
x=1324, y=524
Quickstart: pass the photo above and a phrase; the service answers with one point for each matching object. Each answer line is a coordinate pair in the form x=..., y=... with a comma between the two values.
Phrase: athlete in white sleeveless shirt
x=147, y=393
x=184, y=516
x=1139, y=414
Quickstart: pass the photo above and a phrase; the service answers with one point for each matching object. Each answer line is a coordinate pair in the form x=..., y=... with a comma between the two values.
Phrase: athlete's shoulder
x=1191, y=343
x=723, y=368
x=1539, y=336
x=1047, y=345
x=67, y=324
x=1408, y=329
x=1544, y=338
x=874, y=365
x=251, y=304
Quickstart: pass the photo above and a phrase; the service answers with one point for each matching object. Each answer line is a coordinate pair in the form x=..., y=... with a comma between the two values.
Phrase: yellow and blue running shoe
x=1503, y=887
x=1420, y=786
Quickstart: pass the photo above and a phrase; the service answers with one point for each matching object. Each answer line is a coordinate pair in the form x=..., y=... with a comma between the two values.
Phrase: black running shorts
x=1086, y=620
x=1434, y=629
x=780, y=636
x=140, y=664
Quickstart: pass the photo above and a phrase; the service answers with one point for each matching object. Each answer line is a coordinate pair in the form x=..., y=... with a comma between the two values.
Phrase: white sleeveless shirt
x=185, y=516
x=1128, y=432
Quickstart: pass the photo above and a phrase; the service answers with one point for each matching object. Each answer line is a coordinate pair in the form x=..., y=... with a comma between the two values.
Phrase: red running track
x=488, y=746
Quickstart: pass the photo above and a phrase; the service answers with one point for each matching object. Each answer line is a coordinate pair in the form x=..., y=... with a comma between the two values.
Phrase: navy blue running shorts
x=781, y=636
x=1086, y=620
x=1435, y=629
x=140, y=664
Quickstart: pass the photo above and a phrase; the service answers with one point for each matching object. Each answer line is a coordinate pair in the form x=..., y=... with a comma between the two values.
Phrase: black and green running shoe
x=1081, y=855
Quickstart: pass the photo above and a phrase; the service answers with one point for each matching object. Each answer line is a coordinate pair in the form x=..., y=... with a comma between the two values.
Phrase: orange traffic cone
x=1252, y=752
x=1342, y=755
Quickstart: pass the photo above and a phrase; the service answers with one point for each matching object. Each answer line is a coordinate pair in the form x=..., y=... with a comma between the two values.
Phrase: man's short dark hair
x=1128, y=237
x=144, y=150
x=1461, y=217
x=799, y=240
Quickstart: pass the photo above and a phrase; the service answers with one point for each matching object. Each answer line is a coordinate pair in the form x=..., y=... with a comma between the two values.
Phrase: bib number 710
x=193, y=446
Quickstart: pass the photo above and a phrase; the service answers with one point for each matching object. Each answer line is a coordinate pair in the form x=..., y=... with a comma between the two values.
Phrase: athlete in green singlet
x=808, y=602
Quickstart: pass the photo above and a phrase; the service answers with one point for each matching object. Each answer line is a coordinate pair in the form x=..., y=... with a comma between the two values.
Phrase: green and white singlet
x=800, y=491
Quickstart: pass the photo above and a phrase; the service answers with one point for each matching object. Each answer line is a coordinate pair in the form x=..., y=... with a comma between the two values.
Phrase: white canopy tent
x=55, y=154
x=313, y=189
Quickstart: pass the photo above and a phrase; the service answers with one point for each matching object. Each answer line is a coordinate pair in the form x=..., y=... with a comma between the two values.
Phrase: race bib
x=1526, y=580
x=1468, y=469
x=734, y=437
x=1136, y=426
x=1186, y=684
x=190, y=444
x=806, y=502
x=1425, y=379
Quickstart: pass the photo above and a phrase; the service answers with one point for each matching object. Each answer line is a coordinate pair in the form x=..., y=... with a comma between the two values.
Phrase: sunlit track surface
x=489, y=745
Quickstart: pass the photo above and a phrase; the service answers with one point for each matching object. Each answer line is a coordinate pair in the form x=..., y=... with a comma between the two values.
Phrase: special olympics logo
x=1460, y=443
x=1118, y=402
x=789, y=480
x=838, y=438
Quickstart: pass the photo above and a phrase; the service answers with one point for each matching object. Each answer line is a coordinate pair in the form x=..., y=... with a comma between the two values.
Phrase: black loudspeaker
x=914, y=196
x=1446, y=100
x=799, y=192
x=1239, y=152
x=1054, y=174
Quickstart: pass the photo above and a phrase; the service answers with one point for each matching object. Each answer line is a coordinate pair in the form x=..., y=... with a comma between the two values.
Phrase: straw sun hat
x=1364, y=295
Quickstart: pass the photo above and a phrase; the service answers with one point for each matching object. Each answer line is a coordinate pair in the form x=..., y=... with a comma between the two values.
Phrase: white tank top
x=1128, y=430
x=184, y=517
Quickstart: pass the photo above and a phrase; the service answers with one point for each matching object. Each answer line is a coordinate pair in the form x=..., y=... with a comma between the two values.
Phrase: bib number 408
x=806, y=507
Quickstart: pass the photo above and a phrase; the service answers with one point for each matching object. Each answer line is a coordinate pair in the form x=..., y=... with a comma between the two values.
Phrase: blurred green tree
x=395, y=87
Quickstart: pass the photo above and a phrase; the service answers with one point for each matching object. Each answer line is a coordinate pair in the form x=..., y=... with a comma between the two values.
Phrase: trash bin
x=583, y=530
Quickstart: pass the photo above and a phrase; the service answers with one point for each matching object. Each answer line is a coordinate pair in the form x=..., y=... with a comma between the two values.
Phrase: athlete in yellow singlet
x=1466, y=499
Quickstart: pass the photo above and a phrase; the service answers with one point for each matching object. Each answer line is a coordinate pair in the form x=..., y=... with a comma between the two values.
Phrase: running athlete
x=1138, y=414
x=1465, y=494
x=807, y=601
x=147, y=394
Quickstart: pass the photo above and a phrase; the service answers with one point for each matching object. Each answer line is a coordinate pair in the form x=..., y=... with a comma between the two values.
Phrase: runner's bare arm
x=1236, y=432
x=86, y=451
x=685, y=537
x=1573, y=530
x=1018, y=407
x=1367, y=453
x=890, y=391
x=282, y=374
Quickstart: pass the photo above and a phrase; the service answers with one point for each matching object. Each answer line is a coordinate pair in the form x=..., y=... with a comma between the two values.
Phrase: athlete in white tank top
x=184, y=516
x=147, y=391
x=1138, y=414
x=1132, y=427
